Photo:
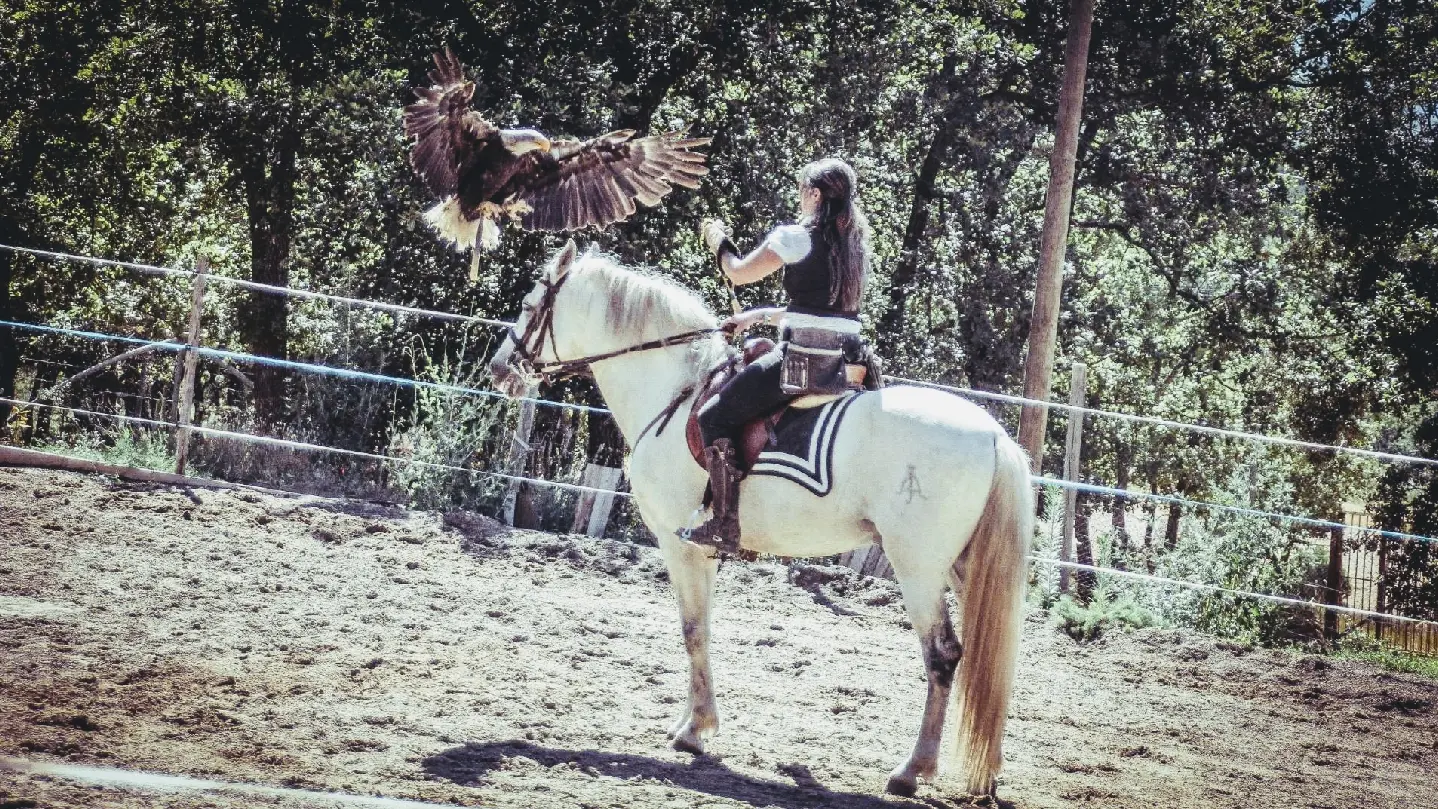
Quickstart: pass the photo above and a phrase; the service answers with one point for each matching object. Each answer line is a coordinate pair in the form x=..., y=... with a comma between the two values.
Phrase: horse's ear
x=565, y=259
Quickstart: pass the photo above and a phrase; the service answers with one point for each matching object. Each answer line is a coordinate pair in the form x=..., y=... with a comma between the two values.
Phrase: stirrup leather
x=722, y=529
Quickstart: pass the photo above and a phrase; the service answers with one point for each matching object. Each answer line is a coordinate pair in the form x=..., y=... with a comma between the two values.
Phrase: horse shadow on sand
x=471, y=763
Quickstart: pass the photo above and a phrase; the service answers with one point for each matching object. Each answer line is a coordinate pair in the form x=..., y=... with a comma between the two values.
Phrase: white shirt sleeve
x=789, y=242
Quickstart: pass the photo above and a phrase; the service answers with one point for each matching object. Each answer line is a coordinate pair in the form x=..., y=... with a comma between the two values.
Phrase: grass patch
x=140, y=448
x=1086, y=622
x=1372, y=650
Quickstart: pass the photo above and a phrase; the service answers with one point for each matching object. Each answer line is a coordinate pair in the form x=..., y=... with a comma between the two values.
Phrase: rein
x=569, y=366
x=541, y=324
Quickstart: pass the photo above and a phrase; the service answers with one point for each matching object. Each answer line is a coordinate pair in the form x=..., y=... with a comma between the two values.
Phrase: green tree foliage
x=1255, y=213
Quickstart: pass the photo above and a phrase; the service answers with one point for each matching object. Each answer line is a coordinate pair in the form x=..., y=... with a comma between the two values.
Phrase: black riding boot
x=722, y=529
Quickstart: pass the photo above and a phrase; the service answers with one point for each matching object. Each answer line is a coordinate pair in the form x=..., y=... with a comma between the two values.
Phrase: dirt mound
x=311, y=644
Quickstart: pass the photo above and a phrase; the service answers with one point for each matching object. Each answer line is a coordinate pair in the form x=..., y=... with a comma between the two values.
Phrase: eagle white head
x=521, y=141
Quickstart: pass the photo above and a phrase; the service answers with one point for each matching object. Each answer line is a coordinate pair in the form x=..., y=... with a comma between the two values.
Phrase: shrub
x=1373, y=650
x=1086, y=622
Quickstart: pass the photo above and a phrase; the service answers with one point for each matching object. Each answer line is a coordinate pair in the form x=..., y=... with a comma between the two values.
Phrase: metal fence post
x=1078, y=388
x=184, y=409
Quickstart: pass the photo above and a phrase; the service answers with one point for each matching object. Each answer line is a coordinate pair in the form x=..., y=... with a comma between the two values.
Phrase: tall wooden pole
x=185, y=407
x=1078, y=386
x=518, y=452
x=1043, y=329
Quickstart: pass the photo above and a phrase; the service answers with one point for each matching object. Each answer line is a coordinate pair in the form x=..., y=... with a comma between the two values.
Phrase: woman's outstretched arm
x=760, y=263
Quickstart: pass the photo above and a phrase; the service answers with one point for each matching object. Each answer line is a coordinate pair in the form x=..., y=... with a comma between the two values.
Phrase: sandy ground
x=315, y=645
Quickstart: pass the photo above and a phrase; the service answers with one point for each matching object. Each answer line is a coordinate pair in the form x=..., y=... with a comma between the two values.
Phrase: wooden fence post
x=591, y=512
x=185, y=407
x=518, y=451
x=1078, y=388
x=1379, y=625
x=1333, y=585
x=868, y=560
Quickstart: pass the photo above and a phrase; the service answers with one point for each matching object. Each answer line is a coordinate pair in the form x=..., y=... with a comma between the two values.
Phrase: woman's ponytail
x=844, y=228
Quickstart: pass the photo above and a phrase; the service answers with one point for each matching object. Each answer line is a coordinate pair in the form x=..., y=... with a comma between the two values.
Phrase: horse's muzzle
x=509, y=380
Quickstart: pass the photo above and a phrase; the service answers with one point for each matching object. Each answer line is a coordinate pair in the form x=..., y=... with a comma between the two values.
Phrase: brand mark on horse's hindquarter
x=911, y=486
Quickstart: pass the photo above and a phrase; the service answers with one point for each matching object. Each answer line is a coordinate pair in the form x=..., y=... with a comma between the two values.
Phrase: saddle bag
x=816, y=361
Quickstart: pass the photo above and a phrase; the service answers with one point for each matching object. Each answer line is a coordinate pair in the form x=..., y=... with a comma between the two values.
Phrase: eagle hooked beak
x=520, y=141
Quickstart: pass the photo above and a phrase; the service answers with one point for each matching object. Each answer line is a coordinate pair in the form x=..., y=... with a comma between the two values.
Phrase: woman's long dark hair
x=844, y=228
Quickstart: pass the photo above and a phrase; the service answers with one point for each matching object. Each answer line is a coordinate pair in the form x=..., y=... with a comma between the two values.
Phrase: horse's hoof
x=678, y=726
x=688, y=744
x=902, y=785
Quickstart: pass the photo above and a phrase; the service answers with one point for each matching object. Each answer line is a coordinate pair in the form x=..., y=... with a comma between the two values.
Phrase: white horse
x=930, y=476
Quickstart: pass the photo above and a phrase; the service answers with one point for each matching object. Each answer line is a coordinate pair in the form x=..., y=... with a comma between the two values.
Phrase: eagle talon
x=517, y=209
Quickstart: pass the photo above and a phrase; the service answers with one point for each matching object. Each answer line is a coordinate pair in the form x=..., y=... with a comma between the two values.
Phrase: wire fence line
x=323, y=370
x=1035, y=479
x=301, y=445
x=345, y=373
x=447, y=316
x=1000, y=397
x=285, y=443
x=1214, y=588
x=1169, y=424
x=1309, y=522
x=258, y=287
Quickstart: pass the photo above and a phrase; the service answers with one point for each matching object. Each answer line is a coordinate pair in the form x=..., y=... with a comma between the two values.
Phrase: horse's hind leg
x=924, y=601
x=691, y=574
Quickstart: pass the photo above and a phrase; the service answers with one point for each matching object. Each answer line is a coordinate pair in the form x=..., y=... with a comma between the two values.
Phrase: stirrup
x=720, y=541
x=723, y=548
x=721, y=530
x=688, y=530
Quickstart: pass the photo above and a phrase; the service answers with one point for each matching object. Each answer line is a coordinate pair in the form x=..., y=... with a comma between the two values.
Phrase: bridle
x=530, y=344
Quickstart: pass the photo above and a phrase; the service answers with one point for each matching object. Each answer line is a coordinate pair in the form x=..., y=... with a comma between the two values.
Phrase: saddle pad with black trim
x=802, y=449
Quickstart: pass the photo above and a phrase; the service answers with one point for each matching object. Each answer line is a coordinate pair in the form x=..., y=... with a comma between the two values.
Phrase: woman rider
x=825, y=259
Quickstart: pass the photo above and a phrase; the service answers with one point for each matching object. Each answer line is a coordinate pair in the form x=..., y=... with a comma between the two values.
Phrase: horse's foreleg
x=930, y=617
x=691, y=574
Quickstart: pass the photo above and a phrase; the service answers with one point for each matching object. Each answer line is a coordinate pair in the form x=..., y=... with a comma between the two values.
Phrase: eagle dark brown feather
x=481, y=173
x=598, y=181
x=448, y=134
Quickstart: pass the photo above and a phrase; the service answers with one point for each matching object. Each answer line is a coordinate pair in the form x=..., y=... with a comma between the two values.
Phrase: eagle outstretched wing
x=448, y=134
x=596, y=182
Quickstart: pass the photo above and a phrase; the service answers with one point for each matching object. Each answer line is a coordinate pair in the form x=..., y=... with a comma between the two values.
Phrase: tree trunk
x=891, y=323
x=1086, y=580
x=1150, y=511
x=13, y=232
x=1170, y=534
x=1120, y=508
x=269, y=177
x=9, y=347
x=1333, y=581
x=1043, y=328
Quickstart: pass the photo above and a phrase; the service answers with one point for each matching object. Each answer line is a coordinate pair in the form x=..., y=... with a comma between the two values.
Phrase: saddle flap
x=754, y=440
x=756, y=433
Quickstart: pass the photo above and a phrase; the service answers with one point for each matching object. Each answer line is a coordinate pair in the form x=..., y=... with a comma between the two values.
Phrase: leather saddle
x=758, y=434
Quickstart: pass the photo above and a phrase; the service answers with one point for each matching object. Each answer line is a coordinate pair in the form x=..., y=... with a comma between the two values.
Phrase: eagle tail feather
x=453, y=226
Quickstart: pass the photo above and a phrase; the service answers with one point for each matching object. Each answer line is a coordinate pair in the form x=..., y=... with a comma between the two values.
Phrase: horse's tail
x=992, y=600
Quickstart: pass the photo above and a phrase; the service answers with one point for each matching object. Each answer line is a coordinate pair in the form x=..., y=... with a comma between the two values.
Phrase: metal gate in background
x=1365, y=570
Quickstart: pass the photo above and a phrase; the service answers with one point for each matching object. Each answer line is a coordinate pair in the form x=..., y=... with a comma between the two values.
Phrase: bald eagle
x=481, y=172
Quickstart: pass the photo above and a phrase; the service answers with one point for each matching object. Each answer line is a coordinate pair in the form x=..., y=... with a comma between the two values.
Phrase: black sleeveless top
x=808, y=280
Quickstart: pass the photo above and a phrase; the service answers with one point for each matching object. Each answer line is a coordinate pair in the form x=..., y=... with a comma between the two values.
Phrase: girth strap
x=667, y=414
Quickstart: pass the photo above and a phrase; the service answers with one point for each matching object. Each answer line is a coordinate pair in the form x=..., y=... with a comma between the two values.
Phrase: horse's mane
x=643, y=304
x=639, y=300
